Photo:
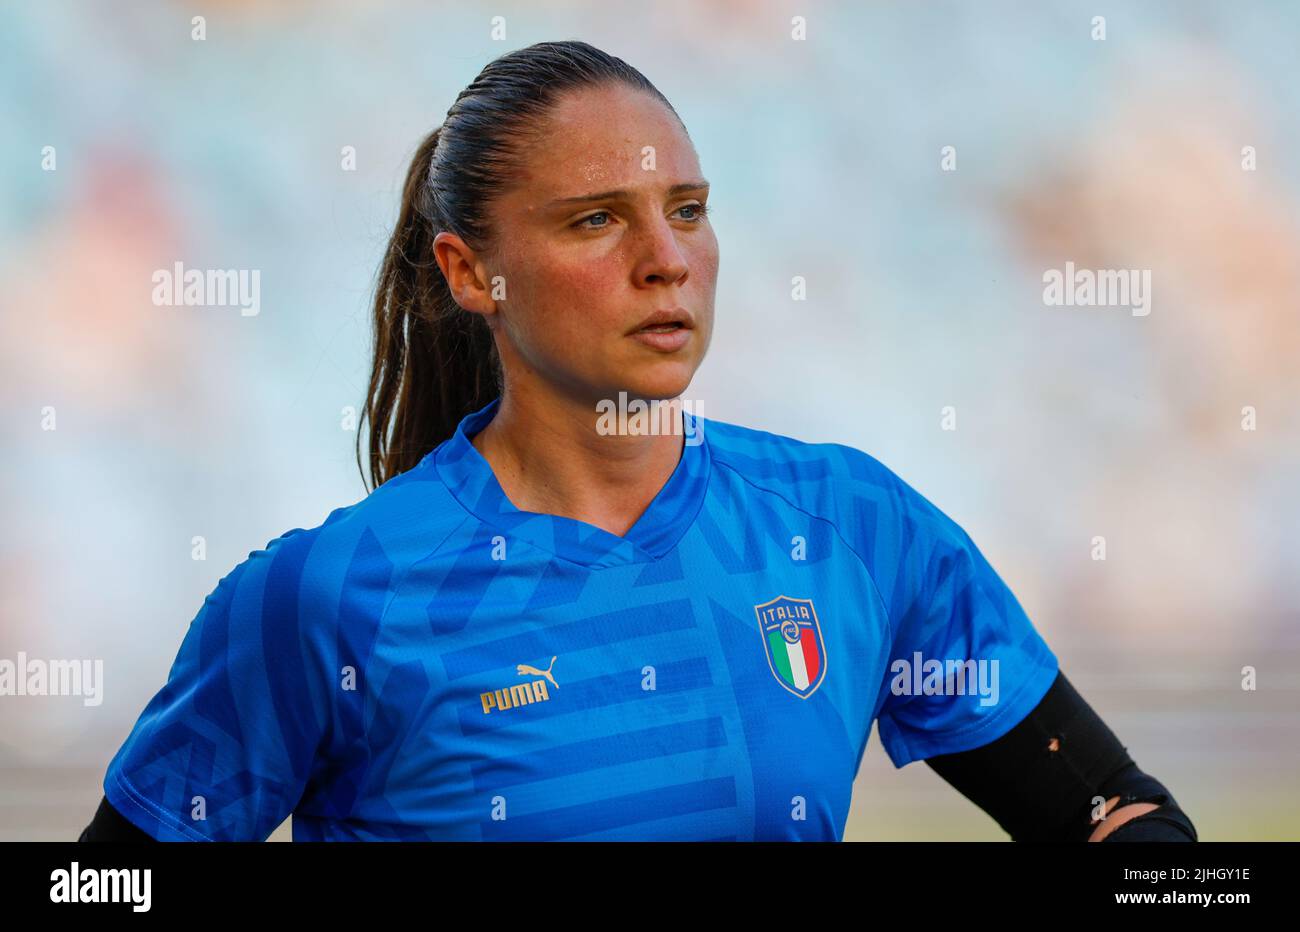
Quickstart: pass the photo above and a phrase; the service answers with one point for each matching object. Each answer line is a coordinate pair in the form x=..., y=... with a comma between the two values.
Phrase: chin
x=662, y=380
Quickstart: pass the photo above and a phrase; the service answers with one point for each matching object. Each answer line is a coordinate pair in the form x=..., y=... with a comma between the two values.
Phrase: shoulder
x=364, y=545
x=747, y=449
x=835, y=481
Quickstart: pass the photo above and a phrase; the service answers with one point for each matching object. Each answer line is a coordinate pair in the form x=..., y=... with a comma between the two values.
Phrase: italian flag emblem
x=792, y=637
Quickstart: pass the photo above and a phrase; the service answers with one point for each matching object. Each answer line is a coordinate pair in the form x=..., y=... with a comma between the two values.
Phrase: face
x=593, y=239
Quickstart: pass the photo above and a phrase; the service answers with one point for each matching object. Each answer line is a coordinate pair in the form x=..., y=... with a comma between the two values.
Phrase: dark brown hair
x=434, y=362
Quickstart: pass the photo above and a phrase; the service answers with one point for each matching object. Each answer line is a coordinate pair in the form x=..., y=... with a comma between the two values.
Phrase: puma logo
x=520, y=694
x=525, y=670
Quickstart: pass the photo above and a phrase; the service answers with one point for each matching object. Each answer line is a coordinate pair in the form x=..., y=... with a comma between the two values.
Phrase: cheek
x=704, y=279
x=704, y=261
x=601, y=272
x=561, y=305
x=580, y=298
x=706, y=287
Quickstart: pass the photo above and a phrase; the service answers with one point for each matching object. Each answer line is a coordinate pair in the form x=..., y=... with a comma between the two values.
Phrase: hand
x=1113, y=820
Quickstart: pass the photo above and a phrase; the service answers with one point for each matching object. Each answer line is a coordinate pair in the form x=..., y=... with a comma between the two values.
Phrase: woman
x=546, y=622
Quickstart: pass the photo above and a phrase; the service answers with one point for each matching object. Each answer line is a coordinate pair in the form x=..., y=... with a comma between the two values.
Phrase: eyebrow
x=696, y=185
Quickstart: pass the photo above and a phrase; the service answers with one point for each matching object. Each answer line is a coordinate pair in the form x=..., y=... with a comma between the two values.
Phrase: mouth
x=665, y=330
x=666, y=321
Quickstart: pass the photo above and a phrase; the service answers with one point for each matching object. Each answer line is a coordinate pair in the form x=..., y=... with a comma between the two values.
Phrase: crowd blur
x=921, y=166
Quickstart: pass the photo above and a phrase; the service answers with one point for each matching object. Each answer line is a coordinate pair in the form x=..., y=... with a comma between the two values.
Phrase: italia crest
x=792, y=637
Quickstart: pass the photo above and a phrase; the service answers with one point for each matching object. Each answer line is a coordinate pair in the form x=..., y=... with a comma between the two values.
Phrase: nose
x=662, y=261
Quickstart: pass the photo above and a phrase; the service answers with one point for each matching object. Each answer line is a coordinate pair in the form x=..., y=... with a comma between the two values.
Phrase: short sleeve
x=966, y=664
x=224, y=749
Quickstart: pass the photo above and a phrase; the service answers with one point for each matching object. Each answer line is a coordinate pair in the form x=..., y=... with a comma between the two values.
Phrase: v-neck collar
x=469, y=477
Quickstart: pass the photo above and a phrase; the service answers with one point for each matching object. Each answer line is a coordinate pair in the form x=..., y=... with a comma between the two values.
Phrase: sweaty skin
x=579, y=279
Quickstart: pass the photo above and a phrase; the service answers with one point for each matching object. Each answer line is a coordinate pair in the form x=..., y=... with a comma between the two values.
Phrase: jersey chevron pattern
x=432, y=663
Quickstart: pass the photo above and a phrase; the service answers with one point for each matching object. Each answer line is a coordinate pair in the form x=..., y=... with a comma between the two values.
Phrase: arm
x=1044, y=779
x=1037, y=759
x=225, y=749
x=110, y=825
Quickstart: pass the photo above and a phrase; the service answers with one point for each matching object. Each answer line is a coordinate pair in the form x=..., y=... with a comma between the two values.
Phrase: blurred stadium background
x=924, y=290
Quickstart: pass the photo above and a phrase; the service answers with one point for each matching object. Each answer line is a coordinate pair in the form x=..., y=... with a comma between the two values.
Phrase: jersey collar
x=470, y=479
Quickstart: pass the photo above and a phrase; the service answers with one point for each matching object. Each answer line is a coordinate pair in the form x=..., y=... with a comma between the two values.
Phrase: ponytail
x=433, y=362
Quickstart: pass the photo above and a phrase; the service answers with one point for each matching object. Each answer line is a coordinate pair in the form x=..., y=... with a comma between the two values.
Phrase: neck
x=549, y=458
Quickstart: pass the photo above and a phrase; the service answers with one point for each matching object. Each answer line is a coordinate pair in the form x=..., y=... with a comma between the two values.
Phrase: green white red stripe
x=797, y=663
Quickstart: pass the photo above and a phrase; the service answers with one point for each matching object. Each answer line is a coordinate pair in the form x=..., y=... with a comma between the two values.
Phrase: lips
x=666, y=331
x=666, y=321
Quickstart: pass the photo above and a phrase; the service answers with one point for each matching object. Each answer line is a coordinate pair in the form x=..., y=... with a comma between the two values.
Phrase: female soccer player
x=551, y=621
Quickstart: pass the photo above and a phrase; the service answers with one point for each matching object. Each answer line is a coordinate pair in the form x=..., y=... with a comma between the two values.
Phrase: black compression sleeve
x=110, y=825
x=1039, y=780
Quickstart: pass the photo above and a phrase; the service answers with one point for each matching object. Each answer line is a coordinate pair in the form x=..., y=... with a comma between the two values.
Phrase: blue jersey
x=433, y=663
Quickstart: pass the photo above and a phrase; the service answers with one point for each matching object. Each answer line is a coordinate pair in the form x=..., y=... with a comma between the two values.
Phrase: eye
x=603, y=213
x=701, y=210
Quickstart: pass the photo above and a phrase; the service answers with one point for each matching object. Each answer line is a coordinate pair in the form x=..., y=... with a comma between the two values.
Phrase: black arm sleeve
x=110, y=825
x=1039, y=780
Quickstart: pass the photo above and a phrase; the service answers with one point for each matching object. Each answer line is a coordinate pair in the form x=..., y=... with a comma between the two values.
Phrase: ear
x=465, y=273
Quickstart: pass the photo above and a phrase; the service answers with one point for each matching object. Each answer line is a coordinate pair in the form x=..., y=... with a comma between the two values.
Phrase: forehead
x=596, y=138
